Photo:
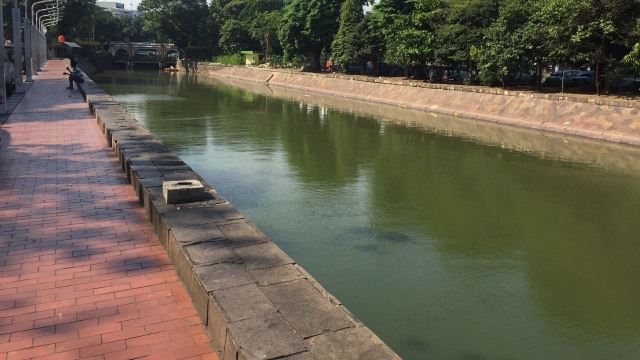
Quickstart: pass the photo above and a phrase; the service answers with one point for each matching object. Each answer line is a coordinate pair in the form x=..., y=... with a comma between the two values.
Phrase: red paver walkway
x=82, y=274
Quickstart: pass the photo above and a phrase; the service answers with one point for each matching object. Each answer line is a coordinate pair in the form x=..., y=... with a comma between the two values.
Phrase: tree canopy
x=182, y=22
x=493, y=39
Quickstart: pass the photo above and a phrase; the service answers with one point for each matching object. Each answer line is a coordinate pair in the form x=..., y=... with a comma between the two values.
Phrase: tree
x=105, y=26
x=348, y=44
x=131, y=29
x=77, y=20
x=308, y=27
x=601, y=28
x=507, y=43
x=460, y=27
x=412, y=36
x=265, y=28
x=182, y=22
x=254, y=23
x=234, y=37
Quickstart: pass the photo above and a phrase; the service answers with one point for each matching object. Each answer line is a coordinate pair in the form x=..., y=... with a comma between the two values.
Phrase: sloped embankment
x=598, y=118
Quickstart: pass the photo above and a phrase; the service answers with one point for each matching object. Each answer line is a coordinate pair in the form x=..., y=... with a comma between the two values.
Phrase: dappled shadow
x=66, y=227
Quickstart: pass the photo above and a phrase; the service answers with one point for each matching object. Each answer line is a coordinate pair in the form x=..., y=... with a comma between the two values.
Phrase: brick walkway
x=82, y=274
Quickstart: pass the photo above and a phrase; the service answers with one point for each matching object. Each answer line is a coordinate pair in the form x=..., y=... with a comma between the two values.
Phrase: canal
x=449, y=238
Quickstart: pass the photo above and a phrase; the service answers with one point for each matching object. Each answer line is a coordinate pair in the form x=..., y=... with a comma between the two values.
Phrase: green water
x=450, y=239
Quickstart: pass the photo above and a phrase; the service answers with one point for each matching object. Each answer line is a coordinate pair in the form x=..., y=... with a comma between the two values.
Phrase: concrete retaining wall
x=592, y=117
x=254, y=300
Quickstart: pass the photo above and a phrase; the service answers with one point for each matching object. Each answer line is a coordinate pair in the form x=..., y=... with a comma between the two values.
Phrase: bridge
x=132, y=53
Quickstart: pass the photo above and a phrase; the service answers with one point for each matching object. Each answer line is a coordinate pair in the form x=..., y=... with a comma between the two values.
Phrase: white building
x=117, y=9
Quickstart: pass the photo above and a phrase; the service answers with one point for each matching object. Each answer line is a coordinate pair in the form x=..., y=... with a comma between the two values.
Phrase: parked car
x=9, y=79
x=628, y=83
x=583, y=79
x=520, y=79
x=354, y=68
x=555, y=78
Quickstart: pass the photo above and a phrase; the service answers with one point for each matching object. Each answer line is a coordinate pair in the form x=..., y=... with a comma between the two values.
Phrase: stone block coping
x=254, y=300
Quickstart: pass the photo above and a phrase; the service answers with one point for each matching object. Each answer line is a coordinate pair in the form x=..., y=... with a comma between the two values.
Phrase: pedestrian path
x=82, y=273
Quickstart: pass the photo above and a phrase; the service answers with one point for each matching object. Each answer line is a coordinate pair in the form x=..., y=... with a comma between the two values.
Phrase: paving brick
x=16, y=345
x=30, y=353
x=103, y=349
x=67, y=355
x=78, y=343
x=123, y=334
x=128, y=354
x=82, y=272
x=145, y=340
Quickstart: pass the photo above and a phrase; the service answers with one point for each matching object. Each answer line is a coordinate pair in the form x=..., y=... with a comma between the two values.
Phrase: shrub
x=230, y=59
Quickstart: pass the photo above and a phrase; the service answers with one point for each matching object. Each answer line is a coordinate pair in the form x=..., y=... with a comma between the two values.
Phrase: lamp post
x=45, y=21
x=28, y=34
x=3, y=90
x=33, y=61
x=41, y=48
x=47, y=18
x=17, y=42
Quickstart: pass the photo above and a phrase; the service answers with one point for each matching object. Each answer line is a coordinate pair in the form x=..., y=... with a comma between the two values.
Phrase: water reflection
x=493, y=243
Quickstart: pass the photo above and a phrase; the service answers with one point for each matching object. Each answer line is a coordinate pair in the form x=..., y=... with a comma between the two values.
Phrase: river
x=449, y=238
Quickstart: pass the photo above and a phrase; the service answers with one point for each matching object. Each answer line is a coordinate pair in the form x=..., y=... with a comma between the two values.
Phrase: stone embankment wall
x=254, y=300
x=592, y=117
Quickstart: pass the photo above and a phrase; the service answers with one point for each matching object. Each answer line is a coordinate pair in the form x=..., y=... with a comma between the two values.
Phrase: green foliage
x=231, y=59
x=507, y=43
x=496, y=37
x=308, y=27
x=182, y=22
x=633, y=57
x=348, y=44
x=247, y=24
x=131, y=29
x=408, y=30
x=235, y=37
x=78, y=19
x=461, y=27
x=105, y=27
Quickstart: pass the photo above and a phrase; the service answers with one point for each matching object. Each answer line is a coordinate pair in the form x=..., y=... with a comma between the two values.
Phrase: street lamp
x=17, y=42
x=3, y=93
x=28, y=37
x=41, y=17
x=48, y=18
x=47, y=23
x=40, y=48
x=35, y=37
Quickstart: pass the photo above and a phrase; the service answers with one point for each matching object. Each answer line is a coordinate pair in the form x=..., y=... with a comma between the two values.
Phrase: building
x=117, y=9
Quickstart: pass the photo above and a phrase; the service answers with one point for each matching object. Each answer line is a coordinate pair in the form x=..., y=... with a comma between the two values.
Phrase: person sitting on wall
x=75, y=74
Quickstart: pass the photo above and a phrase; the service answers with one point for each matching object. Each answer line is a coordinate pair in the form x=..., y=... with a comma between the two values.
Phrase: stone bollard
x=184, y=191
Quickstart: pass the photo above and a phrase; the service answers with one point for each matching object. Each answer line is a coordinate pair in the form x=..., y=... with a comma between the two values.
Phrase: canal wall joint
x=613, y=120
x=253, y=299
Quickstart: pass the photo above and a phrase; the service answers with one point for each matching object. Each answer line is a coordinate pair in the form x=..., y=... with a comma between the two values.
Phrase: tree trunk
x=564, y=66
x=317, y=53
x=597, y=77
